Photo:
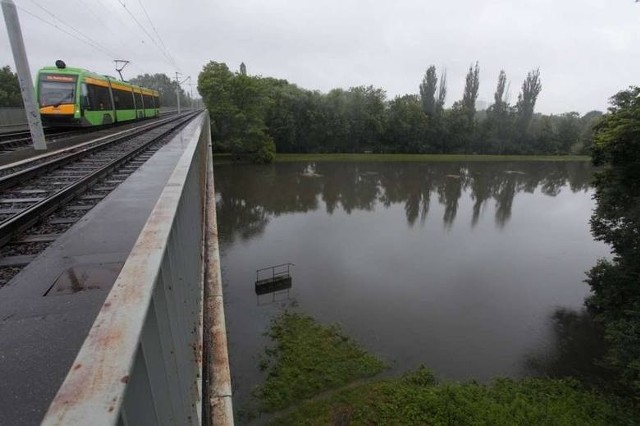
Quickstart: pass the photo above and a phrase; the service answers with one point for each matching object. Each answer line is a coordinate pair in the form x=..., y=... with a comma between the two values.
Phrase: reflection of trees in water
x=449, y=192
x=504, y=195
x=249, y=195
x=576, y=350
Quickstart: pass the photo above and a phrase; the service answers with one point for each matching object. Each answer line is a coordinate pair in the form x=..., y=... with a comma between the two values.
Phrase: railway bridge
x=111, y=304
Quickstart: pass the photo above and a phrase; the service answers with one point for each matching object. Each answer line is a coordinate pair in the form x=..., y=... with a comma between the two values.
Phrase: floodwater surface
x=462, y=267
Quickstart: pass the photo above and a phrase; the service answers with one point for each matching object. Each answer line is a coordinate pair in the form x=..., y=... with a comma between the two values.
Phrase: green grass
x=316, y=376
x=417, y=400
x=426, y=157
x=218, y=157
x=309, y=358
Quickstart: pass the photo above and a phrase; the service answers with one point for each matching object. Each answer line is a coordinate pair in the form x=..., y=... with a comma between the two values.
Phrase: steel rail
x=16, y=139
x=10, y=180
x=32, y=214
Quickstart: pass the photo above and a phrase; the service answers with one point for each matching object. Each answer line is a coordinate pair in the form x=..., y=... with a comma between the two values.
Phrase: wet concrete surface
x=49, y=307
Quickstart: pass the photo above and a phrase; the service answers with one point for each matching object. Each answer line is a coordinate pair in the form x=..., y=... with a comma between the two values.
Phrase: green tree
x=588, y=122
x=406, y=126
x=214, y=85
x=568, y=132
x=499, y=101
x=496, y=126
x=428, y=91
x=527, y=98
x=442, y=92
x=470, y=95
x=238, y=106
x=461, y=119
x=10, y=95
x=615, y=284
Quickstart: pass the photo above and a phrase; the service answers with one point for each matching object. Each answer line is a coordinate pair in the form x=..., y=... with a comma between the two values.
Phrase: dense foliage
x=416, y=399
x=238, y=105
x=615, y=284
x=250, y=111
x=10, y=95
x=309, y=358
x=315, y=376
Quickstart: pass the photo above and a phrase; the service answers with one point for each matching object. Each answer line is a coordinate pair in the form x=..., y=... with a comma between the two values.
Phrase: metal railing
x=277, y=271
x=159, y=342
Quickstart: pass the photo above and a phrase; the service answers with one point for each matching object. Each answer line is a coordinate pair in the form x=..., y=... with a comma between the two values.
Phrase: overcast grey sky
x=587, y=50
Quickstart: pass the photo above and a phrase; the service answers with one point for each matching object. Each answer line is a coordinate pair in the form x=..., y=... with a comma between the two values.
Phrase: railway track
x=40, y=201
x=14, y=140
x=11, y=141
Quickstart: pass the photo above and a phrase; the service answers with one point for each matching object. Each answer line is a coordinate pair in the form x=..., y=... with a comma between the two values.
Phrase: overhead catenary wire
x=89, y=39
x=124, y=48
x=125, y=24
x=87, y=7
x=164, y=53
x=88, y=43
x=144, y=9
x=74, y=33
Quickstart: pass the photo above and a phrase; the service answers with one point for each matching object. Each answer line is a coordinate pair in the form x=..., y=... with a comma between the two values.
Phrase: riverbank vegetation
x=315, y=372
x=309, y=358
x=254, y=116
x=615, y=283
x=425, y=157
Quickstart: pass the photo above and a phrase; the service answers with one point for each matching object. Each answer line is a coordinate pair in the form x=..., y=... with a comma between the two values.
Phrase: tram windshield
x=56, y=90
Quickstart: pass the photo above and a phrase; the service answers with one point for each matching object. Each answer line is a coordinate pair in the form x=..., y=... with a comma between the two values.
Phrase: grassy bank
x=315, y=372
x=426, y=157
x=418, y=399
x=414, y=157
x=309, y=358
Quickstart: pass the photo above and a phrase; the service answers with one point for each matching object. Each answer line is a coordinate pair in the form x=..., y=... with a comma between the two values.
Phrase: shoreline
x=345, y=157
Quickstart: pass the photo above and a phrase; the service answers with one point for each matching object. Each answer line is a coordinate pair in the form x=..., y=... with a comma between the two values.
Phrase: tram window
x=56, y=93
x=148, y=101
x=99, y=99
x=84, y=97
x=123, y=99
x=139, y=101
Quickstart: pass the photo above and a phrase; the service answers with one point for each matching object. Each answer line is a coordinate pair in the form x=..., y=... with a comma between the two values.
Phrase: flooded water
x=462, y=267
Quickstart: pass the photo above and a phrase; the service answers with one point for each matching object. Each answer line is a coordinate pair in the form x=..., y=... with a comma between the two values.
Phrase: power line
x=171, y=61
x=125, y=24
x=122, y=46
x=64, y=31
x=95, y=43
x=154, y=27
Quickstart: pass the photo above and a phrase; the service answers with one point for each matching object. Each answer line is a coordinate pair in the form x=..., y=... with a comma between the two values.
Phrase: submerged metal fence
x=161, y=327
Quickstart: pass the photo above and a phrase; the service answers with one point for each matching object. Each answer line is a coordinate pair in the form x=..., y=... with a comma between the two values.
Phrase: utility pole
x=24, y=74
x=178, y=87
x=191, y=93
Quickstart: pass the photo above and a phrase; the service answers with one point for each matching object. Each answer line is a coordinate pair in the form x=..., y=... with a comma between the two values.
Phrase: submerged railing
x=277, y=272
x=157, y=349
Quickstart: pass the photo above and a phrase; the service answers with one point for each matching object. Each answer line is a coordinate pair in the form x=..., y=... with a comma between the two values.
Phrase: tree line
x=253, y=114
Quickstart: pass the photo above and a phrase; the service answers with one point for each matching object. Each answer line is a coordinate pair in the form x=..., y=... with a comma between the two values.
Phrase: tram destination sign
x=60, y=78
